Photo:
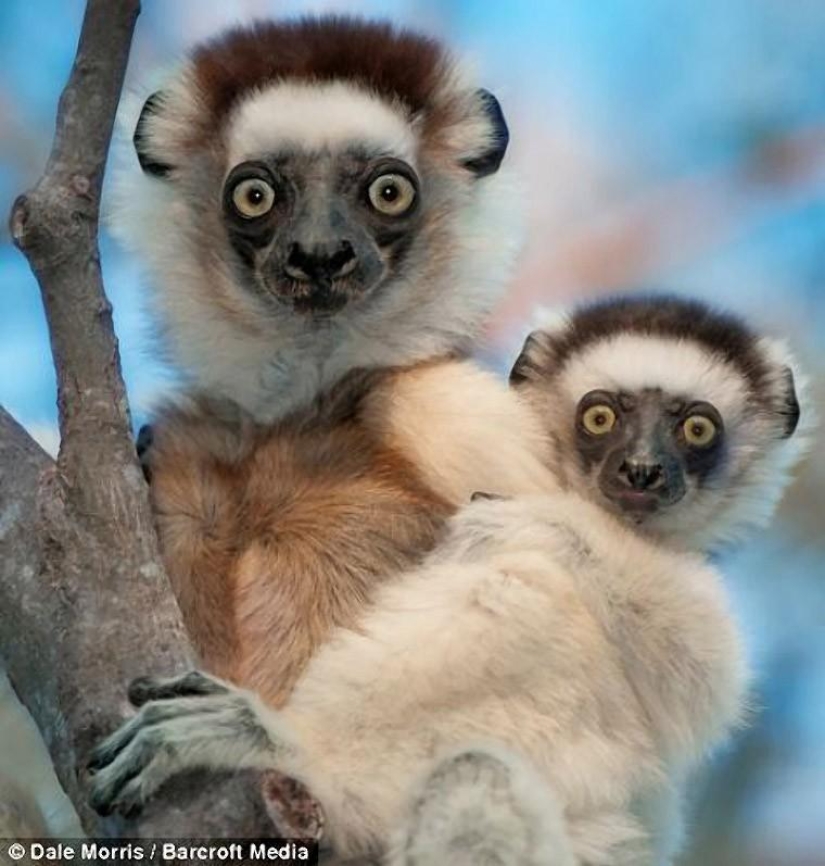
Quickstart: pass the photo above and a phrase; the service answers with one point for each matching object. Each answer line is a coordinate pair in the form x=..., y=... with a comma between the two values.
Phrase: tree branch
x=56, y=226
x=85, y=605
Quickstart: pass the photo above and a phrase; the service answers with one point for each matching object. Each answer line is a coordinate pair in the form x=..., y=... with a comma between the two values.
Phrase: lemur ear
x=790, y=404
x=535, y=361
x=497, y=138
x=149, y=162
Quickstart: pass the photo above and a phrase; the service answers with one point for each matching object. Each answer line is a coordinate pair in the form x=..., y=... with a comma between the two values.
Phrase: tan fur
x=273, y=536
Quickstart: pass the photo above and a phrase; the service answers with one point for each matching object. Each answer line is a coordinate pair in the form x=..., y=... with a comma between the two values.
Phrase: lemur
x=320, y=206
x=557, y=666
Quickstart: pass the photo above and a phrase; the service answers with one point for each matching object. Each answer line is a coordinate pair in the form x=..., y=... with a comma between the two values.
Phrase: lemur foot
x=473, y=809
x=184, y=723
x=292, y=809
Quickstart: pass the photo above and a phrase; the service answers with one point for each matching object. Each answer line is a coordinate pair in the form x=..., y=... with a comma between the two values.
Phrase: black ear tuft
x=535, y=360
x=790, y=404
x=489, y=161
x=521, y=370
x=141, y=141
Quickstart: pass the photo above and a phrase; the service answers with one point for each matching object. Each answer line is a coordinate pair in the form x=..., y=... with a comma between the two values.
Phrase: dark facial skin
x=319, y=231
x=643, y=448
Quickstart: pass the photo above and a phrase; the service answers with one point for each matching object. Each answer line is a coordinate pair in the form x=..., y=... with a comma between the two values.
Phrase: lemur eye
x=699, y=431
x=599, y=419
x=253, y=198
x=391, y=194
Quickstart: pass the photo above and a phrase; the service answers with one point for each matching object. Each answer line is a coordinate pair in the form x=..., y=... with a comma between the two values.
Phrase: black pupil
x=389, y=192
x=600, y=419
x=254, y=195
x=698, y=430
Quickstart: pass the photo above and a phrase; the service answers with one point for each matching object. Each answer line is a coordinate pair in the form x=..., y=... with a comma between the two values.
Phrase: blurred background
x=665, y=144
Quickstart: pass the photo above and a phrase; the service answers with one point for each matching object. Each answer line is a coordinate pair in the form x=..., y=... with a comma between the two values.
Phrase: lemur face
x=317, y=231
x=323, y=160
x=645, y=450
x=677, y=419
x=314, y=195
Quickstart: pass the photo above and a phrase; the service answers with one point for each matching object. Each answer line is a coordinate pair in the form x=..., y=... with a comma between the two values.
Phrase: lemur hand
x=482, y=495
x=184, y=723
x=143, y=444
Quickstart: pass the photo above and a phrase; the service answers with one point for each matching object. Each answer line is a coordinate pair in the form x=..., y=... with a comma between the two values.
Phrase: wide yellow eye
x=599, y=419
x=699, y=431
x=391, y=194
x=253, y=198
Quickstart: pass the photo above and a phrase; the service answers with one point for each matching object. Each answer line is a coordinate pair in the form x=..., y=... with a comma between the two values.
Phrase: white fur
x=271, y=364
x=632, y=362
x=610, y=665
x=317, y=117
x=464, y=430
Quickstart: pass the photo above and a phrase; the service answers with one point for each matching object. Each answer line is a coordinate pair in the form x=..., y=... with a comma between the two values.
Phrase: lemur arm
x=194, y=720
x=450, y=635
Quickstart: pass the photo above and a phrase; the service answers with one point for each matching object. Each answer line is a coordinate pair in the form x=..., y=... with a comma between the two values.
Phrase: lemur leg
x=184, y=722
x=195, y=502
x=484, y=807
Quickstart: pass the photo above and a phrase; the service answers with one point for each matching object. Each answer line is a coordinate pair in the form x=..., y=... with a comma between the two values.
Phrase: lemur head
x=322, y=192
x=678, y=419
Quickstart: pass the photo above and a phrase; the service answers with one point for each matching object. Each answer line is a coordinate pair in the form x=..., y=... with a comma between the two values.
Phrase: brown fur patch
x=273, y=537
x=396, y=64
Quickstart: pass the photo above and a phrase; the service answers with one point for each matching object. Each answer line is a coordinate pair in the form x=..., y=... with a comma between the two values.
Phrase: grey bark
x=85, y=605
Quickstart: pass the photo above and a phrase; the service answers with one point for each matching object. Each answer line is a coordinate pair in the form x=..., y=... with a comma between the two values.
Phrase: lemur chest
x=271, y=551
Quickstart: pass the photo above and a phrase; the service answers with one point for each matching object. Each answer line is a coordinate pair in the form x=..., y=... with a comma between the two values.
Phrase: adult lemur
x=578, y=639
x=322, y=212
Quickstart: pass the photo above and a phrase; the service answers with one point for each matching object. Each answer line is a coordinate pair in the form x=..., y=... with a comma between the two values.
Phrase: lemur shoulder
x=560, y=662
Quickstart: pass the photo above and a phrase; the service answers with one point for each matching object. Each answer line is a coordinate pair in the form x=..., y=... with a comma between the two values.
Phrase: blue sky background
x=669, y=143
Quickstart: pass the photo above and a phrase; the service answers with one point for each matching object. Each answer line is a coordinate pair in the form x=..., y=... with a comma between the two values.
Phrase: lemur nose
x=641, y=476
x=320, y=262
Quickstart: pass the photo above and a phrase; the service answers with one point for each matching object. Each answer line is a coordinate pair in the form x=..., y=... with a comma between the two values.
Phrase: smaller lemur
x=670, y=399
x=562, y=661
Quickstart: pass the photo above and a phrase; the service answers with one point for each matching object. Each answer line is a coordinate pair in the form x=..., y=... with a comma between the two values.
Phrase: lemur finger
x=150, y=715
x=134, y=768
x=145, y=438
x=144, y=442
x=482, y=495
x=126, y=763
x=137, y=768
x=145, y=689
x=130, y=797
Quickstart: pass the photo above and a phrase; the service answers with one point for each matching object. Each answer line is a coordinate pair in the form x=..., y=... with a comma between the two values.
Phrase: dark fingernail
x=139, y=691
x=102, y=807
